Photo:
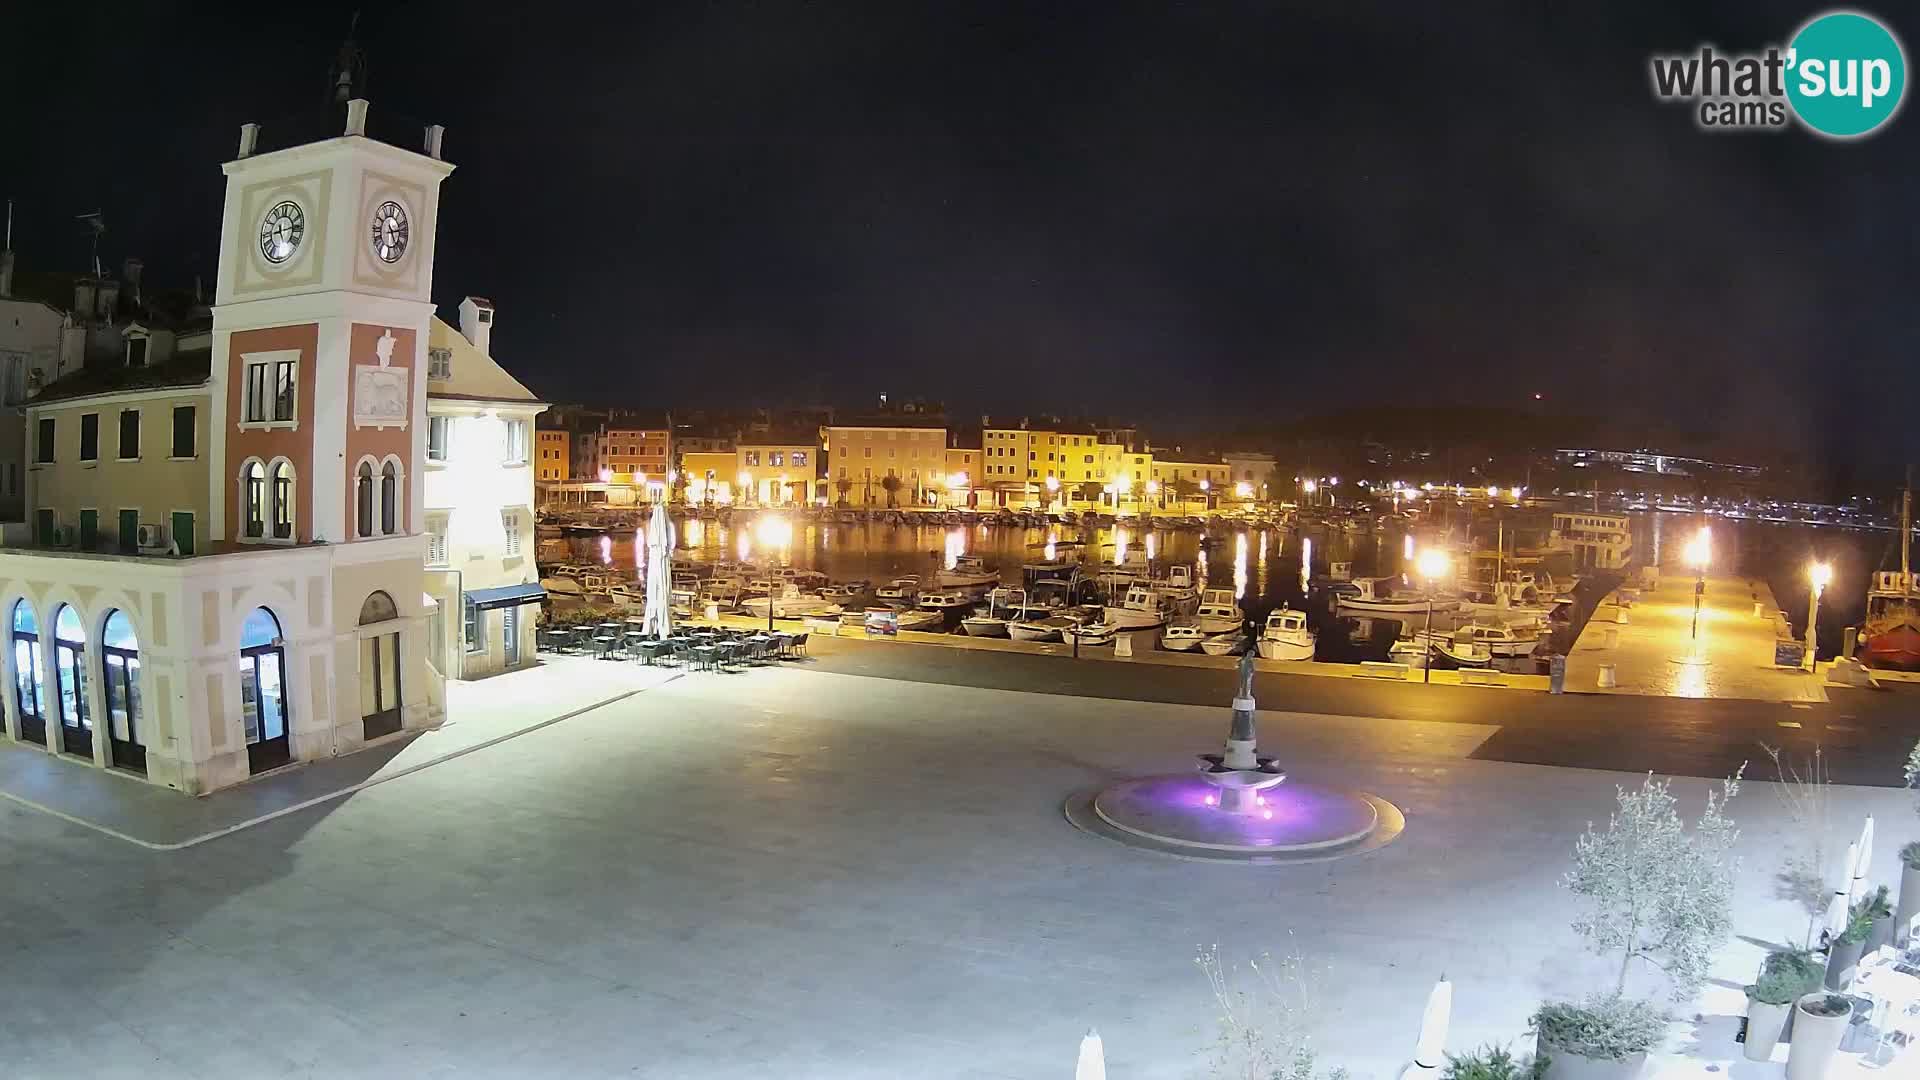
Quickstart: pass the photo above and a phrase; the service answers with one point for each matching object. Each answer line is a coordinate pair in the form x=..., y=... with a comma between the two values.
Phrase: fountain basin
x=1294, y=818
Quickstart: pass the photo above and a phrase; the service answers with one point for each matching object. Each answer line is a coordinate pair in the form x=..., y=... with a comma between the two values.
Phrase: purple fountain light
x=1239, y=772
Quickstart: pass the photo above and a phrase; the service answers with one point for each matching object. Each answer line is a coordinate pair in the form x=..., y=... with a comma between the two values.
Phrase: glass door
x=29, y=688
x=510, y=630
x=122, y=693
x=380, y=685
x=76, y=727
x=263, y=706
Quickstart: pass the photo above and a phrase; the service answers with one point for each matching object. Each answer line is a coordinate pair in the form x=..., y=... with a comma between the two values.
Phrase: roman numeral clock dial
x=281, y=231
x=389, y=231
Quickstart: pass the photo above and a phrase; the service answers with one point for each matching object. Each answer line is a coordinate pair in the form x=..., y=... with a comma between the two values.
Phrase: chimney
x=435, y=133
x=6, y=273
x=83, y=295
x=109, y=297
x=476, y=322
x=130, y=268
x=249, y=136
x=357, y=116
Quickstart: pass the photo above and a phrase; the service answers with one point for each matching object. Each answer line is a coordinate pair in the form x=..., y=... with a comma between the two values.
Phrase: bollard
x=1607, y=678
x=1620, y=616
x=1759, y=610
x=1611, y=637
x=1123, y=644
x=713, y=614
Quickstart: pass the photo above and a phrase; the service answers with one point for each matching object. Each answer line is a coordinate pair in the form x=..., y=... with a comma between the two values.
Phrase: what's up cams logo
x=1843, y=76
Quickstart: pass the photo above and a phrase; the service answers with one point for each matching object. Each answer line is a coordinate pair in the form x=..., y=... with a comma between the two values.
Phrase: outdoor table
x=725, y=652
x=782, y=641
x=555, y=640
x=605, y=643
x=758, y=643
x=706, y=655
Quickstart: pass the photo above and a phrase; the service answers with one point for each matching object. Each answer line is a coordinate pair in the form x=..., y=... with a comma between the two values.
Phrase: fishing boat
x=1140, y=609
x=1048, y=629
x=1181, y=638
x=1285, y=636
x=1367, y=596
x=1503, y=639
x=968, y=572
x=624, y=596
x=719, y=594
x=921, y=620
x=1089, y=633
x=563, y=585
x=945, y=601
x=1890, y=634
x=1218, y=612
x=901, y=590
x=1178, y=589
x=1445, y=651
x=1228, y=644
x=790, y=603
x=991, y=623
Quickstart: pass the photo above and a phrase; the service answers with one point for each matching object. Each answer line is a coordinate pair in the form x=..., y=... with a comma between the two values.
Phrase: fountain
x=1241, y=806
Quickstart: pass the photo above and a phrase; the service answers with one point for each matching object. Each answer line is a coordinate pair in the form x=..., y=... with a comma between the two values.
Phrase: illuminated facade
x=297, y=629
x=861, y=458
x=710, y=475
x=1186, y=486
x=553, y=455
x=776, y=473
x=480, y=469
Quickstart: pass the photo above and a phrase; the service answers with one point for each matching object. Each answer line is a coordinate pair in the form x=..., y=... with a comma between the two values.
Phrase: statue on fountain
x=1239, y=772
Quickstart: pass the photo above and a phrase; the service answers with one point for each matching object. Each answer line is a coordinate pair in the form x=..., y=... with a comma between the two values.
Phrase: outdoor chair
x=705, y=654
x=799, y=644
x=604, y=645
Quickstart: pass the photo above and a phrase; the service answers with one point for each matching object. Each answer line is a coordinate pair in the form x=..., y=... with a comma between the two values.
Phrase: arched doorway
x=263, y=692
x=29, y=686
x=120, y=670
x=379, y=668
x=70, y=667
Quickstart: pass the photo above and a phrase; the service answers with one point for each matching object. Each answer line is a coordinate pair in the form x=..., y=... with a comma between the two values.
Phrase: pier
x=1645, y=635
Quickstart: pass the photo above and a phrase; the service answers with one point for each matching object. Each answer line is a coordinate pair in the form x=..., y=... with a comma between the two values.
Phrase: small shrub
x=1609, y=1027
x=1494, y=1063
x=1829, y=1005
x=1787, y=976
x=1864, y=913
x=1910, y=855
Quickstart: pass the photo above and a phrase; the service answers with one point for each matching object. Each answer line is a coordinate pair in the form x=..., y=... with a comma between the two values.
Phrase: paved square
x=805, y=874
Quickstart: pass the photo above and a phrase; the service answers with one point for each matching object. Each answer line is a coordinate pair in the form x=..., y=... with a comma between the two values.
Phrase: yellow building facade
x=865, y=461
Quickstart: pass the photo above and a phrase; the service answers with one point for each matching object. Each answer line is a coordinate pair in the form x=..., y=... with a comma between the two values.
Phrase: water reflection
x=606, y=551
x=1240, y=567
x=956, y=547
x=1306, y=563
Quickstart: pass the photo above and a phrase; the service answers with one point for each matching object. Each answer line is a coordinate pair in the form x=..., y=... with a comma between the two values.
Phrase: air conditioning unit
x=63, y=536
x=152, y=538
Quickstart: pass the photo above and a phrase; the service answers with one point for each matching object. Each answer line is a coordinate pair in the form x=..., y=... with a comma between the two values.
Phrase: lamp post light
x=1699, y=553
x=1206, y=493
x=1053, y=491
x=1431, y=564
x=1309, y=486
x=1153, y=490
x=1819, y=574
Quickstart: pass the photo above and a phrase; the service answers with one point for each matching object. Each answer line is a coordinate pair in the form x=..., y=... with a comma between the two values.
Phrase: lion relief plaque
x=380, y=391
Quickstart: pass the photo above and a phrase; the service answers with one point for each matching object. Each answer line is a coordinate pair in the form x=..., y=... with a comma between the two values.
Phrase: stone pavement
x=1736, y=644
x=805, y=874
x=480, y=714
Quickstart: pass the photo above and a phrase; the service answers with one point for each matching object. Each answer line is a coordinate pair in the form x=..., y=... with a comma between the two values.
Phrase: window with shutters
x=510, y=522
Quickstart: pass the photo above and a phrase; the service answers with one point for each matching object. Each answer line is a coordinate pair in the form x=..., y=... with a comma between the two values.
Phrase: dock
x=1646, y=636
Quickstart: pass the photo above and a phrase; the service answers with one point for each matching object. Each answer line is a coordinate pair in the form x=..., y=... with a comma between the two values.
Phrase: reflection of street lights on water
x=1431, y=564
x=1818, y=574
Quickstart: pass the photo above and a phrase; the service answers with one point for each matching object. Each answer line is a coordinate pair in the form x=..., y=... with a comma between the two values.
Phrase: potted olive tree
x=1819, y=1023
x=1493, y=1063
x=1843, y=952
x=1657, y=892
x=1879, y=912
x=1786, y=977
x=1909, y=891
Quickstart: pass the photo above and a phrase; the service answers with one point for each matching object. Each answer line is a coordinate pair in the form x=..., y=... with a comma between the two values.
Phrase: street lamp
x=1431, y=564
x=1818, y=574
x=745, y=484
x=1309, y=487
x=1153, y=488
x=1206, y=493
x=1053, y=491
x=1698, y=554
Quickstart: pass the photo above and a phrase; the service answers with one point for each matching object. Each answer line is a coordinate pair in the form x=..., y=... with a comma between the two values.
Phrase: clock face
x=389, y=231
x=281, y=231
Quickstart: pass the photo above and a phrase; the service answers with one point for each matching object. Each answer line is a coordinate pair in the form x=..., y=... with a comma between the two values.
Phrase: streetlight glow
x=1699, y=550
x=1431, y=563
x=1820, y=574
x=1243, y=490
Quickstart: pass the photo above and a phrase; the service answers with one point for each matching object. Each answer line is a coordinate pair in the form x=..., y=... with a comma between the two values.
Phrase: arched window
x=378, y=608
x=120, y=667
x=263, y=693
x=254, y=495
x=389, y=498
x=29, y=686
x=363, y=499
x=70, y=666
x=282, y=488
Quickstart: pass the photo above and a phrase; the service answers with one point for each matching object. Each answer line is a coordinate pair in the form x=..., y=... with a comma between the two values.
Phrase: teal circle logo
x=1847, y=74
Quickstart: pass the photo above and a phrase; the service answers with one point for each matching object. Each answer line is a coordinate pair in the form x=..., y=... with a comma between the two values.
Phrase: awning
x=506, y=596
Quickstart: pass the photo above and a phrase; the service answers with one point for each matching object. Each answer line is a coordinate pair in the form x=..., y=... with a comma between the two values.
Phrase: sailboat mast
x=1906, y=527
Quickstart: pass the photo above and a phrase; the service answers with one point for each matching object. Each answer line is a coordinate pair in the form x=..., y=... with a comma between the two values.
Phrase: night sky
x=1198, y=214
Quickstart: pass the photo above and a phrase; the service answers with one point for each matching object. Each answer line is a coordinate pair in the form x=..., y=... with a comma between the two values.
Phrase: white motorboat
x=1366, y=596
x=1285, y=636
x=991, y=623
x=1228, y=644
x=968, y=573
x=946, y=601
x=847, y=593
x=1141, y=609
x=921, y=620
x=1218, y=612
x=558, y=585
x=622, y=596
x=1503, y=639
x=1177, y=588
x=1181, y=638
x=1050, y=628
x=1090, y=633
x=722, y=595
x=1445, y=651
x=790, y=603
x=903, y=590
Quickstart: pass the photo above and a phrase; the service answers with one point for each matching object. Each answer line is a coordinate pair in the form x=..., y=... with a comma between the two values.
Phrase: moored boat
x=1232, y=643
x=1181, y=638
x=1890, y=634
x=1218, y=613
x=1285, y=636
x=1367, y=596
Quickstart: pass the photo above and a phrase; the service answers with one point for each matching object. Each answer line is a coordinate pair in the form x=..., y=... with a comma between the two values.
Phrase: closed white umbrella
x=659, y=614
x=1429, y=1053
x=1863, y=858
x=1837, y=907
x=1093, y=1058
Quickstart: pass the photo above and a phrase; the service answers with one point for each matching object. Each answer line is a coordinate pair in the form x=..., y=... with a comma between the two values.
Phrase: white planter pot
x=1816, y=1040
x=1909, y=905
x=1764, y=1025
x=1562, y=1065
